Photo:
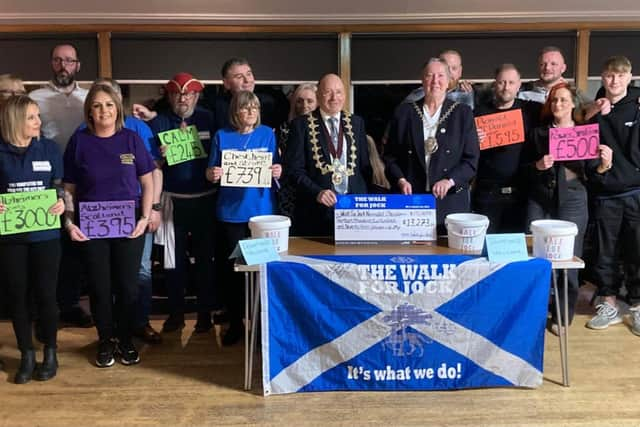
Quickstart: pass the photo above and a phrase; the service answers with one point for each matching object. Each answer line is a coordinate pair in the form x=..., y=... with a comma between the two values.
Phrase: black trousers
x=31, y=269
x=112, y=270
x=506, y=212
x=230, y=234
x=617, y=238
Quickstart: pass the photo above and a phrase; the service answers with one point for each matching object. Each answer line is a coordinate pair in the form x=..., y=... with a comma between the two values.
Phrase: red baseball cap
x=184, y=82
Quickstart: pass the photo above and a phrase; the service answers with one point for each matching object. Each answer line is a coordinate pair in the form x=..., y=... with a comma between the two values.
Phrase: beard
x=64, y=79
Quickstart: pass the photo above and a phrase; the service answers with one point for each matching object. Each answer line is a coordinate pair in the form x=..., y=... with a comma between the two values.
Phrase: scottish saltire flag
x=402, y=323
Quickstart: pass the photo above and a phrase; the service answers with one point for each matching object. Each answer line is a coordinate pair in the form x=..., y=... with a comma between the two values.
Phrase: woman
x=433, y=145
x=106, y=162
x=29, y=261
x=557, y=188
x=236, y=205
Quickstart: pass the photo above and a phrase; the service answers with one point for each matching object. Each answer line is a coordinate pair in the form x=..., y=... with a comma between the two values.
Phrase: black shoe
x=148, y=334
x=76, y=317
x=128, y=353
x=27, y=366
x=104, y=356
x=220, y=317
x=49, y=366
x=203, y=325
x=173, y=323
x=233, y=334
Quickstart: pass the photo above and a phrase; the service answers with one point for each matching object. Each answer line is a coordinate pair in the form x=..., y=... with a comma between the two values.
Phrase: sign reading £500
x=28, y=211
x=576, y=143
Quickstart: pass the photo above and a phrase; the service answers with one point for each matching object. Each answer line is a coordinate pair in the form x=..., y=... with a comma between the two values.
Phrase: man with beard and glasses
x=61, y=103
x=499, y=191
x=187, y=205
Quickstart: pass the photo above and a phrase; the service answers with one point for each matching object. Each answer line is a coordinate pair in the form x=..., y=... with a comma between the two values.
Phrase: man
x=499, y=192
x=188, y=202
x=340, y=166
x=614, y=182
x=551, y=67
x=433, y=145
x=459, y=90
x=237, y=75
x=61, y=103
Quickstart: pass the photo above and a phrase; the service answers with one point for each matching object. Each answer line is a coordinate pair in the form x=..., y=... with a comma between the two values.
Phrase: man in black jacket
x=614, y=181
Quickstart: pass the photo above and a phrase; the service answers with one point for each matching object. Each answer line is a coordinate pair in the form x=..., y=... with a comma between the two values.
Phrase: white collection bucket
x=466, y=231
x=553, y=239
x=274, y=226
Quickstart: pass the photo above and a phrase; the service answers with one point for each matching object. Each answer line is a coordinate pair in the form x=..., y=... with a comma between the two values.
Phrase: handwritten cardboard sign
x=500, y=129
x=577, y=143
x=506, y=247
x=246, y=168
x=183, y=145
x=107, y=220
x=28, y=211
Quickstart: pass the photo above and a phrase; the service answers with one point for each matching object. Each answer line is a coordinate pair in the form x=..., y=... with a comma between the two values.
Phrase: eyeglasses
x=249, y=109
x=185, y=95
x=64, y=61
x=7, y=92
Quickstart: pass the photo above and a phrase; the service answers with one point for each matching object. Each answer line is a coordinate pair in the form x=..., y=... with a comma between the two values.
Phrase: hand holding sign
x=576, y=143
x=183, y=145
x=499, y=129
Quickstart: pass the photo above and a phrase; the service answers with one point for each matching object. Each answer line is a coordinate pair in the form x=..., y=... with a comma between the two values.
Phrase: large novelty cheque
x=104, y=220
x=183, y=145
x=385, y=218
x=246, y=168
x=28, y=211
x=402, y=322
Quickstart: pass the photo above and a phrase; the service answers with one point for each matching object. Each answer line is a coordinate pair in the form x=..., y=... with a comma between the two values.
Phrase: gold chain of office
x=324, y=167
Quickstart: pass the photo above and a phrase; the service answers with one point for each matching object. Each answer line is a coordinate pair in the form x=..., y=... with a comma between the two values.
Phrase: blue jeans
x=145, y=285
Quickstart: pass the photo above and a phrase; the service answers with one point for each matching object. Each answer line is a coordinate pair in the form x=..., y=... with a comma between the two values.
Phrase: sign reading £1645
x=504, y=128
x=28, y=211
x=183, y=145
x=577, y=143
x=246, y=168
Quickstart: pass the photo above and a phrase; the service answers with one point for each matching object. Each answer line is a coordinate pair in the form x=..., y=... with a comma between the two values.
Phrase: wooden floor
x=190, y=381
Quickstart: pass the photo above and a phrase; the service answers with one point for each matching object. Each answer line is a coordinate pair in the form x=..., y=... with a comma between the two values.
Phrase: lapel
x=322, y=140
x=417, y=132
x=441, y=132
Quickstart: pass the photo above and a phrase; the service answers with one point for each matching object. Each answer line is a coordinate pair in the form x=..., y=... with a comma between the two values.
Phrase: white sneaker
x=635, y=319
x=606, y=315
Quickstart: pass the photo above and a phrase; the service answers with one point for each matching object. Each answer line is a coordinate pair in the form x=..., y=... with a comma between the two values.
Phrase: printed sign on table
x=28, y=211
x=106, y=220
x=504, y=128
x=385, y=218
x=506, y=247
x=402, y=322
x=576, y=143
x=183, y=145
x=246, y=168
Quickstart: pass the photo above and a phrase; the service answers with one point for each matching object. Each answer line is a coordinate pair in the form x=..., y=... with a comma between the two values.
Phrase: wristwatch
x=156, y=207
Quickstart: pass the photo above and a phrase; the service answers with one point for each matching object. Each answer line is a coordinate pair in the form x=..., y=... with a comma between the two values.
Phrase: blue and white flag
x=402, y=323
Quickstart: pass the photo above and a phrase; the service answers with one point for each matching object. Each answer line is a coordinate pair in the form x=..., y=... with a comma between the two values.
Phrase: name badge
x=204, y=134
x=41, y=166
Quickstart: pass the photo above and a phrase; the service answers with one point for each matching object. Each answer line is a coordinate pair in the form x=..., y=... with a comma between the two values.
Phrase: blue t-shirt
x=143, y=131
x=188, y=177
x=237, y=204
x=106, y=169
x=32, y=170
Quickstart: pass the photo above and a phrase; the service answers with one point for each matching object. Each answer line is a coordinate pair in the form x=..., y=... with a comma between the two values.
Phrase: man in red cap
x=187, y=206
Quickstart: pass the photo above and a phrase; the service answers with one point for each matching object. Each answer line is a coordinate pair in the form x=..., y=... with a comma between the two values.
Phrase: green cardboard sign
x=28, y=211
x=183, y=145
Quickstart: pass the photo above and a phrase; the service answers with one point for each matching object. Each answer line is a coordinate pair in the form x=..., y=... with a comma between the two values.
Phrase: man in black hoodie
x=614, y=181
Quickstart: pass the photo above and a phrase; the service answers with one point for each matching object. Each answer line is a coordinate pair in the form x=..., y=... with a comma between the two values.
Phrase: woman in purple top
x=107, y=162
x=29, y=260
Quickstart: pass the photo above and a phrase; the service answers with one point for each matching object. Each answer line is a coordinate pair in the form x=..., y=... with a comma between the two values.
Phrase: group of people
x=81, y=144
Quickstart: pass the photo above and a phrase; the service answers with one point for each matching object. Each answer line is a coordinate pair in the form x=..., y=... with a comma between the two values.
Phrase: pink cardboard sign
x=577, y=143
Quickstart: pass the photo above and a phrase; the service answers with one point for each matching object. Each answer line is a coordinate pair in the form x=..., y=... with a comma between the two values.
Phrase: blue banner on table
x=402, y=323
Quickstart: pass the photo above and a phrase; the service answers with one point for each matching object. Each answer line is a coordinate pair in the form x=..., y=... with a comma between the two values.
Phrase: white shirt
x=61, y=113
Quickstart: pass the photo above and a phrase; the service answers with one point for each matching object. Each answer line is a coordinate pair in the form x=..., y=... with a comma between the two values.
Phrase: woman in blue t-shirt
x=236, y=204
x=108, y=163
x=29, y=260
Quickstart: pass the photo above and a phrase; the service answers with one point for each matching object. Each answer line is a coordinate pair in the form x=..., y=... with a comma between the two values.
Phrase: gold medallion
x=430, y=145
